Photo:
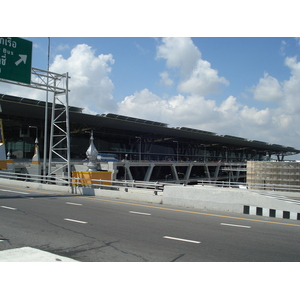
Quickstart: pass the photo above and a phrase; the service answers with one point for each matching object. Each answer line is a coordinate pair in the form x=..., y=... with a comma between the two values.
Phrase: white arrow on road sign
x=23, y=59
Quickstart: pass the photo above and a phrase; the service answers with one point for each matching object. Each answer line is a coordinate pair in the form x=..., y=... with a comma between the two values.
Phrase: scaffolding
x=271, y=173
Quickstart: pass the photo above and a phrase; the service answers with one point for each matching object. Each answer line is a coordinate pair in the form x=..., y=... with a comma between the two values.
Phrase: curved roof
x=23, y=107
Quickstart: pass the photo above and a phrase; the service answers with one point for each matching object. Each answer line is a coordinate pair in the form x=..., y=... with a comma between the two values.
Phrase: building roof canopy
x=23, y=107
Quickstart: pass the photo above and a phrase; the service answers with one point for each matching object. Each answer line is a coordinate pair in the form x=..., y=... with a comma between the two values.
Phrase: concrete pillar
x=112, y=167
x=174, y=172
x=188, y=172
x=149, y=172
x=207, y=172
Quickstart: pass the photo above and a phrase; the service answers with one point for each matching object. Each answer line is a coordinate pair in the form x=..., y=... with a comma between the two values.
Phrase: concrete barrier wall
x=129, y=194
x=124, y=193
x=202, y=197
x=230, y=200
x=36, y=185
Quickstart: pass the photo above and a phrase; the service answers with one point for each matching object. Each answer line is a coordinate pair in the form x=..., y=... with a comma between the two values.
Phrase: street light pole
x=125, y=166
x=46, y=115
x=177, y=148
x=36, y=156
x=204, y=159
x=226, y=154
x=36, y=133
x=140, y=151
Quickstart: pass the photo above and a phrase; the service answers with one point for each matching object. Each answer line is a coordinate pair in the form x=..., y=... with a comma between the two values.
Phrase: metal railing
x=82, y=182
x=34, y=178
x=157, y=186
x=253, y=186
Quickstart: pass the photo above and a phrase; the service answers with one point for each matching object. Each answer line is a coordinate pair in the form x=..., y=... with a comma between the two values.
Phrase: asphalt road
x=91, y=229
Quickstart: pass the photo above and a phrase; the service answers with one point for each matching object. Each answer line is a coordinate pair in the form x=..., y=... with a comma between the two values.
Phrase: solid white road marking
x=77, y=221
x=14, y=192
x=71, y=203
x=182, y=240
x=234, y=225
x=140, y=213
x=7, y=207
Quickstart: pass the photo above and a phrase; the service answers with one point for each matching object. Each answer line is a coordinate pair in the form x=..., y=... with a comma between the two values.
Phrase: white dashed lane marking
x=7, y=207
x=181, y=240
x=72, y=203
x=76, y=221
x=234, y=225
x=139, y=213
x=14, y=192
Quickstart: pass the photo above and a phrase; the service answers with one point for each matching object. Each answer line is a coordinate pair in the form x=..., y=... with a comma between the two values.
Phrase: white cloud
x=255, y=117
x=179, y=53
x=287, y=93
x=90, y=84
x=165, y=79
x=203, y=81
x=291, y=87
x=19, y=91
x=196, y=75
x=230, y=117
x=62, y=47
x=283, y=121
x=179, y=110
x=268, y=89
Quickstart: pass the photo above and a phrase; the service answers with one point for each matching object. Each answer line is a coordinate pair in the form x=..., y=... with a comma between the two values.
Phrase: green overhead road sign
x=15, y=59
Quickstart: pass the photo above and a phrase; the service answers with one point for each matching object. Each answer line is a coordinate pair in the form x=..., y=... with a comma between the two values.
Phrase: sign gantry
x=15, y=68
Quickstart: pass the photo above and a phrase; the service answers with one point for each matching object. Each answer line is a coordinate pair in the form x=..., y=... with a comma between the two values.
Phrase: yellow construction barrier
x=90, y=178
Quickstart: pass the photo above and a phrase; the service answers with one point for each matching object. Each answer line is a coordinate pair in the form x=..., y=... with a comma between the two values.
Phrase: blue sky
x=242, y=61
x=244, y=86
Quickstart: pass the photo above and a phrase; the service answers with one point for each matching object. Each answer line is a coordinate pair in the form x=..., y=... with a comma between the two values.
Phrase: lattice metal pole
x=49, y=81
x=60, y=134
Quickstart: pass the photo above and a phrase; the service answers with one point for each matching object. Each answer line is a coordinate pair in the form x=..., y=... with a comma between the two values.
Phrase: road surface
x=91, y=229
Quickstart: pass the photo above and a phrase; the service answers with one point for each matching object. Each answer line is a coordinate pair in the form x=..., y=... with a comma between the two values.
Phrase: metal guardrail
x=253, y=186
x=158, y=186
x=33, y=178
x=111, y=184
x=93, y=183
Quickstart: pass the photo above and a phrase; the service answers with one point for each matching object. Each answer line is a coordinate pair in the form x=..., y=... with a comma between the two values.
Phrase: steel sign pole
x=68, y=128
x=46, y=118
